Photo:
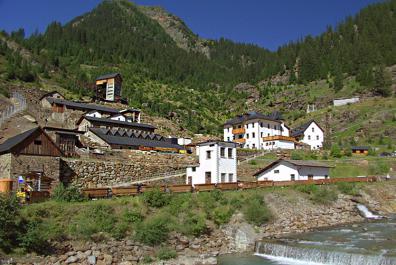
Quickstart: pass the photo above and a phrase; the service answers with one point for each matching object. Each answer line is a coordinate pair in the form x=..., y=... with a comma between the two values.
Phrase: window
x=222, y=152
x=228, y=139
x=229, y=152
x=208, y=154
x=230, y=177
x=37, y=142
x=253, y=135
x=309, y=137
x=317, y=137
x=247, y=136
x=252, y=125
x=268, y=126
x=326, y=176
x=223, y=177
x=254, y=146
x=261, y=124
x=261, y=134
x=313, y=129
x=208, y=177
x=276, y=171
x=268, y=134
x=292, y=177
x=193, y=169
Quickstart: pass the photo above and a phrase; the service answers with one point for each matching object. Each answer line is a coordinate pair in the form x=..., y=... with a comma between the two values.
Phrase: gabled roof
x=252, y=115
x=298, y=163
x=131, y=139
x=107, y=76
x=302, y=128
x=221, y=143
x=116, y=122
x=82, y=106
x=12, y=144
x=360, y=148
x=50, y=94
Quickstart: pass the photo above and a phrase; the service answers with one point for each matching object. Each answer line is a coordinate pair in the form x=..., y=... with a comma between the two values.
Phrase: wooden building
x=31, y=151
x=67, y=140
x=108, y=87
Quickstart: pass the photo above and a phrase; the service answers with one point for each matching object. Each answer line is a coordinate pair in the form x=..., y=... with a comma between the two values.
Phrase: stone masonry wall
x=91, y=173
x=5, y=166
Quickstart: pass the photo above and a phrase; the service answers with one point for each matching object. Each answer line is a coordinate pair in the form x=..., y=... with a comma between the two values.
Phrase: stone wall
x=92, y=173
x=24, y=163
x=5, y=166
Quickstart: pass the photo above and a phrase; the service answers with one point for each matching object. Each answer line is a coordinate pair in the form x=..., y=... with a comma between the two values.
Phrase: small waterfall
x=313, y=256
x=367, y=213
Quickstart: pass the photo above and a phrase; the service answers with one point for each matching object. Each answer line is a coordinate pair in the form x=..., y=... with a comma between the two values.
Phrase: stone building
x=30, y=152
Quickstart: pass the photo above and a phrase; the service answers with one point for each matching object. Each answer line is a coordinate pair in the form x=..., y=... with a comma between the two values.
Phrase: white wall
x=228, y=136
x=184, y=141
x=278, y=144
x=94, y=114
x=216, y=165
x=118, y=117
x=286, y=169
x=313, y=136
x=345, y=101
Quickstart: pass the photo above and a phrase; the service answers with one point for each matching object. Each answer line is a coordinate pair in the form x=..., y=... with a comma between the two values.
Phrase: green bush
x=92, y=220
x=323, y=195
x=348, y=188
x=335, y=151
x=34, y=239
x=308, y=189
x=222, y=215
x=378, y=167
x=193, y=223
x=253, y=162
x=132, y=216
x=153, y=231
x=10, y=222
x=296, y=155
x=166, y=253
x=69, y=194
x=256, y=212
x=147, y=259
x=156, y=198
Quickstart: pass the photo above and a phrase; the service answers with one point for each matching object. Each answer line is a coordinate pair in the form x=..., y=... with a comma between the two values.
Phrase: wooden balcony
x=279, y=138
x=238, y=131
x=240, y=141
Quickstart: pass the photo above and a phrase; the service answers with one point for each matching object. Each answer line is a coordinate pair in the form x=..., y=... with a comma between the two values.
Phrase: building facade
x=291, y=170
x=311, y=134
x=217, y=164
x=253, y=130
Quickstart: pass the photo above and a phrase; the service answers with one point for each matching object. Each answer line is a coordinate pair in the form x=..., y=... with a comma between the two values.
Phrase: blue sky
x=267, y=23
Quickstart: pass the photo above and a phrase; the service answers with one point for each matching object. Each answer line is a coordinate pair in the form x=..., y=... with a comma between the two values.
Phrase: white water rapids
x=367, y=213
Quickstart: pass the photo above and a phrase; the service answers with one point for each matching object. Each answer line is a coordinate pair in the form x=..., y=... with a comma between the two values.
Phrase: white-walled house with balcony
x=217, y=164
x=309, y=133
x=291, y=170
x=255, y=130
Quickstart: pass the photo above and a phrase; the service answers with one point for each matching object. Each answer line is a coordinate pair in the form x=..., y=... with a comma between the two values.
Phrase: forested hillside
x=165, y=71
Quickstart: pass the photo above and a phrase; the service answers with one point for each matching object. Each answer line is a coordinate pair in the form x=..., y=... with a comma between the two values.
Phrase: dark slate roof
x=82, y=106
x=12, y=142
x=106, y=76
x=360, y=148
x=252, y=115
x=299, y=163
x=115, y=122
x=133, y=139
x=301, y=129
x=221, y=143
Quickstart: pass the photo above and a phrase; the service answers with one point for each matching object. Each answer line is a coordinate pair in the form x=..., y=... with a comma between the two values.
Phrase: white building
x=253, y=129
x=309, y=133
x=345, y=101
x=291, y=170
x=279, y=142
x=217, y=164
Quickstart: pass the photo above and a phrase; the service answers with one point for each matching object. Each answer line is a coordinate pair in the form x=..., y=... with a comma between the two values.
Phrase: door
x=310, y=177
x=189, y=180
x=208, y=177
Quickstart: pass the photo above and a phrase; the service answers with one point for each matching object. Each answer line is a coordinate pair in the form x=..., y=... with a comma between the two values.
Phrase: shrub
x=94, y=219
x=378, y=167
x=222, y=215
x=348, y=188
x=253, y=162
x=295, y=155
x=256, y=212
x=193, y=223
x=147, y=259
x=308, y=189
x=156, y=198
x=10, y=222
x=34, y=239
x=69, y=194
x=335, y=151
x=132, y=216
x=324, y=195
x=166, y=253
x=153, y=231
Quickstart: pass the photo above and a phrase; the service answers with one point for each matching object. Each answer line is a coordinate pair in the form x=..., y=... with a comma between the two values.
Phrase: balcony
x=240, y=141
x=279, y=138
x=238, y=131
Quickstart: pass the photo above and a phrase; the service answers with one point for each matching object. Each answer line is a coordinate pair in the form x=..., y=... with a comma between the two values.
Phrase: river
x=370, y=243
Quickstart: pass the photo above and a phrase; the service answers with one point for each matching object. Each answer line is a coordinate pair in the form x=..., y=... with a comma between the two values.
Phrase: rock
x=71, y=259
x=245, y=237
x=91, y=260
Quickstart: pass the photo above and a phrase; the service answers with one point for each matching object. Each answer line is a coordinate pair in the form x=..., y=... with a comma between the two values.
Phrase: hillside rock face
x=177, y=30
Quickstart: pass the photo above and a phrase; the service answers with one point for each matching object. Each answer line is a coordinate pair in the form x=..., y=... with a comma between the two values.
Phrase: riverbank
x=223, y=226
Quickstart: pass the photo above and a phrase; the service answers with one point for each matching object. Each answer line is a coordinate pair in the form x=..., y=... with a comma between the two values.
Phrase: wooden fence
x=95, y=193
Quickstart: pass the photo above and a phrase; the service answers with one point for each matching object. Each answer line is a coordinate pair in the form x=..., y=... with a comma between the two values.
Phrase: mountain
x=169, y=71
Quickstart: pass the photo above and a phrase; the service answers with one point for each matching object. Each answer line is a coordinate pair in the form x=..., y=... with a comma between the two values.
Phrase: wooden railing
x=279, y=137
x=238, y=131
x=240, y=141
x=242, y=185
